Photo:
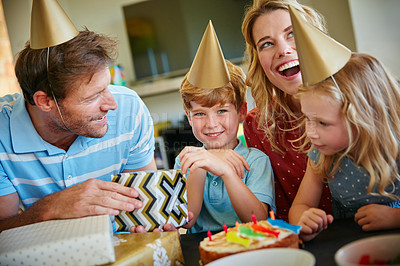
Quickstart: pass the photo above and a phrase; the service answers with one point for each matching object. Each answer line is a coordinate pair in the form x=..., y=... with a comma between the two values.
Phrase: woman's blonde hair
x=370, y=99
x=269, y=99
x=234, y=92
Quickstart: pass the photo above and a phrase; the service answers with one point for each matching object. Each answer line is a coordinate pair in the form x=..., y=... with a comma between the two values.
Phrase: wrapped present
x=163, y=193
x=149, y=249
x=81, y=241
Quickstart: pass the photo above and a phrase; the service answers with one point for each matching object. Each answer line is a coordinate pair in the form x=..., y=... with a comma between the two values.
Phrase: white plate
x=384, y=247
x=272, y=256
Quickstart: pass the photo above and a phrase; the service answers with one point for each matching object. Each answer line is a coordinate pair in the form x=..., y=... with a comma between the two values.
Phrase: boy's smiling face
x=216, y=127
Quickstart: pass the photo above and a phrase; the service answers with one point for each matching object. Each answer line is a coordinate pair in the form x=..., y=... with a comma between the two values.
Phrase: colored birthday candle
x=272, y=214
x=253, y=217
x=209, y=235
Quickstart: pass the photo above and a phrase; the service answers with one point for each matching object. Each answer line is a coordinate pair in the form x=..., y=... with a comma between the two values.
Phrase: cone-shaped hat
x=320, y=56
x=209, y=69
x=50, y=25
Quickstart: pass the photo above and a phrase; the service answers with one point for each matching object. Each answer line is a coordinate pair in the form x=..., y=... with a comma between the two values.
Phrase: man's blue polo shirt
x=34, y=168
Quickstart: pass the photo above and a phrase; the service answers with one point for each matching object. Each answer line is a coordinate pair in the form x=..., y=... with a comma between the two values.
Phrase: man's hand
x=166, y=227
x=141, y=229
x=92, y=197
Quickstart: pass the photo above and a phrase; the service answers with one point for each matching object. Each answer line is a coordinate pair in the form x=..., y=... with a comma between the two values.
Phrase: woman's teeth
x=288, y=65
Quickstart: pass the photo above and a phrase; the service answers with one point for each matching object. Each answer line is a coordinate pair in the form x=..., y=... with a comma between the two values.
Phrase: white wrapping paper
x=82, y=241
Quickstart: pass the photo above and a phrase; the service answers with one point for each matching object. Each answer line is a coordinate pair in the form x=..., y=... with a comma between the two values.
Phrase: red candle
x=272, y=214
x=209, y=235
x=225, y=228
x=253, y=217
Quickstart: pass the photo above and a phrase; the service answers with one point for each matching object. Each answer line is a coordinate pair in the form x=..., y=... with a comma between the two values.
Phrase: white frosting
x=220, y=245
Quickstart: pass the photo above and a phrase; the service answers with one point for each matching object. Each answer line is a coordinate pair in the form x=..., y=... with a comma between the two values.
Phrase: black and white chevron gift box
x=163, y=193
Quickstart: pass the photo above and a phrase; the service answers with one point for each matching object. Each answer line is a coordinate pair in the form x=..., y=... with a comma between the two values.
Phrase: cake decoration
x=249, y=233
x=262, y=229
x=249, y=236
x=284, y=225
x=234, y=237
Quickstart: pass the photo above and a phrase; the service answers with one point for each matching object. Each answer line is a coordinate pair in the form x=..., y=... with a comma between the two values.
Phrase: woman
x=274, y=76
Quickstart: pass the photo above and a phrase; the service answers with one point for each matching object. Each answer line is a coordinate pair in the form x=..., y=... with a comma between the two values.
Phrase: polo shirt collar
x=25, y=139
x=240, y=148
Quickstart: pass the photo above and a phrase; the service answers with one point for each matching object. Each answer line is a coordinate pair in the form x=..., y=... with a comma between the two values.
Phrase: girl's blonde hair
x=262, y=90
x=234, y=92
x=370, y=99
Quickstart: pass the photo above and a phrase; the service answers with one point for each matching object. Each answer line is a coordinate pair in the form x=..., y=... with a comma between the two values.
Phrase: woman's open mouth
x=289, y=69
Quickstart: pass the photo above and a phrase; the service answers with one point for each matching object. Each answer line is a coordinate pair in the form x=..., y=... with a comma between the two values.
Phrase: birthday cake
x=248, y=237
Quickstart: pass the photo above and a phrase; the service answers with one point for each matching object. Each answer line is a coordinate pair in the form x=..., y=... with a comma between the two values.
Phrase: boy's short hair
x=234, y=92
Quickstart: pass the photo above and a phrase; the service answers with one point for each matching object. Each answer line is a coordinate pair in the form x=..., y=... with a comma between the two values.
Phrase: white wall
x=165, y=107
x=374, y=22
x=17, y=13
x=105, y=16
x=376, y=27
x=338, y=19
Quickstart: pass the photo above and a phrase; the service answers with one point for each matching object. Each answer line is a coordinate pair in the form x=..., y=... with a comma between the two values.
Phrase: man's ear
x=242, y=112
x=43, y=101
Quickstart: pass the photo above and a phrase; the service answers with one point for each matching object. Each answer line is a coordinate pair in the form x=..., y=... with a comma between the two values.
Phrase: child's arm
x=194, y=186
x=229, y=166
x=195, y=157
x=243, y=200
x=377, y=217
x=195, y=191
x=304, y=209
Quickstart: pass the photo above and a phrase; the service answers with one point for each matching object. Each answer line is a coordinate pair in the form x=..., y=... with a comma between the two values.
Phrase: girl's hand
x=312, y=222
x=377, y=217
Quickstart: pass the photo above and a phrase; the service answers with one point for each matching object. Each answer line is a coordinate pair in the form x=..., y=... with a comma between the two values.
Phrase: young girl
x=354, y=127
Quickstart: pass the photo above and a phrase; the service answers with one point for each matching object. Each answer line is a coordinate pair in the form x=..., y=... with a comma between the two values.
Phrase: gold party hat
x=320, y=56
x=209, y=69
x=50, y=25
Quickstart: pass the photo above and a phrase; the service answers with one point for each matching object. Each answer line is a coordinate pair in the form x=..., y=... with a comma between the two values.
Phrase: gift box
x=163, y=193
x=81, y=241
x=149, y=249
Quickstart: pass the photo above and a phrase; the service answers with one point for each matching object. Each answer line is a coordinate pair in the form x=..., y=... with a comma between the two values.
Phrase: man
x=61, y=141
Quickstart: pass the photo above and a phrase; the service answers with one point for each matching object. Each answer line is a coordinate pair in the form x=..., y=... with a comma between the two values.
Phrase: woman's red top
x=289, y=167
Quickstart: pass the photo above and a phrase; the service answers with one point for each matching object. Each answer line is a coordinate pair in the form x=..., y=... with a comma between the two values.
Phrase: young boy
x=219, y=189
